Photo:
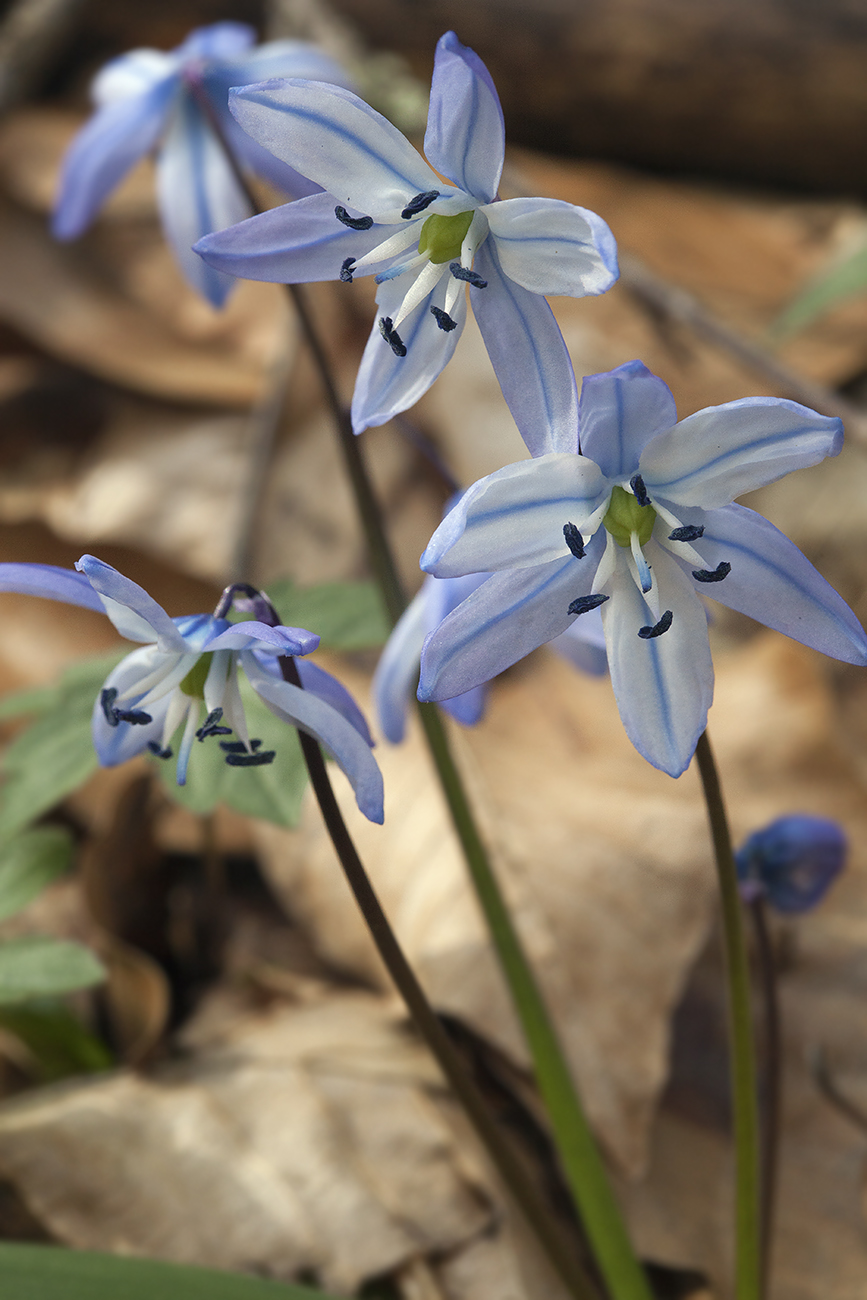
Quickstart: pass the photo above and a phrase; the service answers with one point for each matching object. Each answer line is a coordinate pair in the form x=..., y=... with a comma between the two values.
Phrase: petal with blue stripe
x=51, y=583
x=552, y=247
x=618, y=414
x=134, y=613
x=465, y=138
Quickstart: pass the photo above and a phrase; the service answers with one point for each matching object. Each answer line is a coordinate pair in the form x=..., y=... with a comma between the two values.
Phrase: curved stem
x=748, y=1218
x=773, y=1078
x=537, y=1213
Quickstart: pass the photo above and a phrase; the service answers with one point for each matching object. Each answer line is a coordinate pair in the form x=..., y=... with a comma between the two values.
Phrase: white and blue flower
x=792, y=862
x=636, y=518
x=184, y=678
x=172, y=101
x=427, y=240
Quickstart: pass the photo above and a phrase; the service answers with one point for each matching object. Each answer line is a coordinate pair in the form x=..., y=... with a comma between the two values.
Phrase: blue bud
x=791, y=862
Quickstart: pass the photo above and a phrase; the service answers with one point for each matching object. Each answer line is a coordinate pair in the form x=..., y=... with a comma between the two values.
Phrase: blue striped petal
x=115, y=745
x=251, y=635
x=529, y=356
x=619, y=412
x=723, y=451
x=465, y=138
x=397, y=671
x=552, y=247
x=774, y=583
x=515, y=517
x=134, y=613
x=51, y=583
x=329, y=689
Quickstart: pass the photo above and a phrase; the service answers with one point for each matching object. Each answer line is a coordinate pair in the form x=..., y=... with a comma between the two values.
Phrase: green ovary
x=441, y=237
x=625, y=517
x=194, y=682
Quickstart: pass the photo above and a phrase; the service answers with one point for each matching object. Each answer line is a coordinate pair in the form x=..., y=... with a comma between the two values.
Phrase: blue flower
x=637, y=518
x=385, y=211
x=792, y=862
x=185, y=677
x=151, y=99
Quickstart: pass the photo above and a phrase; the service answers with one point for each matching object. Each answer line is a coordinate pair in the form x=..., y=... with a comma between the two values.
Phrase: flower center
x=626, y=517
x=442, y=237
x=194, y=682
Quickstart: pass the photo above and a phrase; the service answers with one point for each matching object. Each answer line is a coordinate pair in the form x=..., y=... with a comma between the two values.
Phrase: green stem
x=773, y=1078
x=748, y=1218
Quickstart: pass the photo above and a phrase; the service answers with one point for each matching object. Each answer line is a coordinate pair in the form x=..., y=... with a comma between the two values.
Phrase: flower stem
x=537, y=1213
x=773, y=1079
x=748, y=1218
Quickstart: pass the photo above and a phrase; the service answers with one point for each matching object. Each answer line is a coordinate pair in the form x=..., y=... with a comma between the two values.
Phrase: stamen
x=461, y=273
x=211, y=727
x=347, y=269
x=238, y=746
x=637, y=485
x=260, y=759
x=722, y=570
x=419, y=203
x=391, y=336
x=583, y=604
x=648, y=633
x=443, y=319
x=641, y=564
x=157, y=751
x=114, y=717
x=135, y=717
x=354, y=223
x=688, y=533
x=574, y=541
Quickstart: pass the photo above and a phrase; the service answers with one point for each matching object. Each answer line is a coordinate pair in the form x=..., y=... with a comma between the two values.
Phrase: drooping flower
x=637, y=518
x=185, y=678
x=792, y=862
x=171, y=101
x=396, y=674
x=428, y=240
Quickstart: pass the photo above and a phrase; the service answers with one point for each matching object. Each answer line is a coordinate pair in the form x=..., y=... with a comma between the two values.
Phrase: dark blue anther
x=157, y=751
x=347, y=269
x=391, y=336
x=648, y=633
x=113, y=716
x=354, y=223
x=688, y=533
x=584, y=604
x=637, y=485
x=722, y=570
x=461, y=273
x=211, y=726
x=574, y=541
x=238, y=746
x=135, y=717
x=443, y=319
x=260, y=759
x=419, y=203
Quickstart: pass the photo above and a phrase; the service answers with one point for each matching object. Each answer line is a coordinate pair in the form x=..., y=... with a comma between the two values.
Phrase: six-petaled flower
x=428, y=240
x=640, y=522
x=176, y=101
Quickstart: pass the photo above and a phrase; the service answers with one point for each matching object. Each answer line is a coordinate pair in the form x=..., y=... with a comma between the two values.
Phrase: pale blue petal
x=292, y=244
x=583, y=644
x=529, y=356
x=51, y=583
x=103, y=152
x=397, y=671
x=217, y=41
x=198, y=192
x=717, y=454
x=465, y=139
x=664, y=685
x=332, y=137
x=552, y=247
x=340, y=738
x=331, y=691
x=502, y=621
x=387, y=384
x=515, y=516
x=115, y=745
x=774, y=583
x=132, y=74
x=251, y=635
x=134, y=613
x=619, y=412
x=469, y=708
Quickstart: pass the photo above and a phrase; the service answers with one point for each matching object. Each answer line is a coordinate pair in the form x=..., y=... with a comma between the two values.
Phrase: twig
x=830, y=1090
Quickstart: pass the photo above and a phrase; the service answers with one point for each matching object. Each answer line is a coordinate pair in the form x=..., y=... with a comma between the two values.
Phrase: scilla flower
x=427, y=239
x=184, y=679
x=636, y=518
x=170, y=101
x=792, y=862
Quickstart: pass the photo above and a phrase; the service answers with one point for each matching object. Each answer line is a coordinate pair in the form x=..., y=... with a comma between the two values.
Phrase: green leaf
x=57, y=1039
x=29, y=863
x=55, y=754
x=272, y=792
x=346, y=615
x=37, y=967
x=51, y=1273
x=833, y=285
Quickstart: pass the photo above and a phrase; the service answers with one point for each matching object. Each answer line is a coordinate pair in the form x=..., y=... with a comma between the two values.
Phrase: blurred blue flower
x=792, y=862
x=170, y=101
x=189, y=666
x=427, y=239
